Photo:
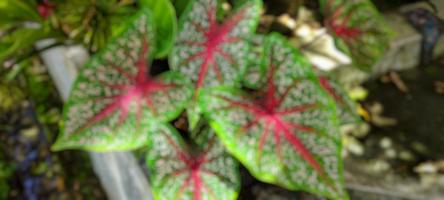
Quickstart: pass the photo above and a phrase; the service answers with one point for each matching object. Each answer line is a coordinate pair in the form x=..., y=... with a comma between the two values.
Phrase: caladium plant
x=359, y=29
x=210, y=51
x=284, y=132
x=115, y=102
x=261, y=101
x=200, y=171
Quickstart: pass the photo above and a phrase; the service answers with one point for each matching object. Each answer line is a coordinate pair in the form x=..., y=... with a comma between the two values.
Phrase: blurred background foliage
x=91, y=22
x=87, y=22
x=6, y=170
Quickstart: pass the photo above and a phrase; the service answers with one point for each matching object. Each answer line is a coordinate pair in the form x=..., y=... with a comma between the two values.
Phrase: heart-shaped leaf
x=359, y=29
x=210, y=52
x=181, y=172
x=115, y=104
x=285, y=134
x=252, y=79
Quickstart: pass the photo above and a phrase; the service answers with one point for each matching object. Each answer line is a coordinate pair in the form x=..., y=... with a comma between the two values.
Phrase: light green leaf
x=180, y=6
x=17, y=11
x=21, y=40
x=166, y=24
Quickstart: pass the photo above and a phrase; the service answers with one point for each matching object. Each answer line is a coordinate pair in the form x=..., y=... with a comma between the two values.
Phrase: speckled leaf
x=346, y=107
x=255, y=70
x=359, y=29
x=286, y=133
x=210, y=52
x=180, y=171
x=115, y=104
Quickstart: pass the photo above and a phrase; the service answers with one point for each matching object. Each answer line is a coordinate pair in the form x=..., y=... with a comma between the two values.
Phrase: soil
x=384, y=169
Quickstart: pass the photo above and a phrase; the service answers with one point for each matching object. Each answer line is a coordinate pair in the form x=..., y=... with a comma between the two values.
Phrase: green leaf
x=17, y=11
x=166, y=24
x=194, y=115
x=20, y=41
x=359, y=30
x=286, y=132
x=93, y=22
x=210, y=52
x=115, y=104
x=181, y=171
x=180, y=6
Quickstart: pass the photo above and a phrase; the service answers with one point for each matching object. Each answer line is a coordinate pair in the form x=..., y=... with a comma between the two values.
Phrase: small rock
x=355, y=147
x=390, y=153
x=426, y=168
x=30, y=133
x=287, y=21
x=361, y=130
x=356, y=130
x=380, y=166
x=385, y=143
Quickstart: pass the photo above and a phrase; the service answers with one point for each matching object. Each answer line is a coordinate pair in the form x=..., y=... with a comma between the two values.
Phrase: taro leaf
x=210, y=52
x=286, y=133
x=166, y=24
x=359, y=29
x=115, y=104
x=346, y=107
x=180, y=171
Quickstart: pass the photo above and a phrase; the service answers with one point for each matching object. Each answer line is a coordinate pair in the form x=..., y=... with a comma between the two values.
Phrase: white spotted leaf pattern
x=359, y=30
x=211, y=52
x=286, y=131
x=203, y=171
x=115, y=104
